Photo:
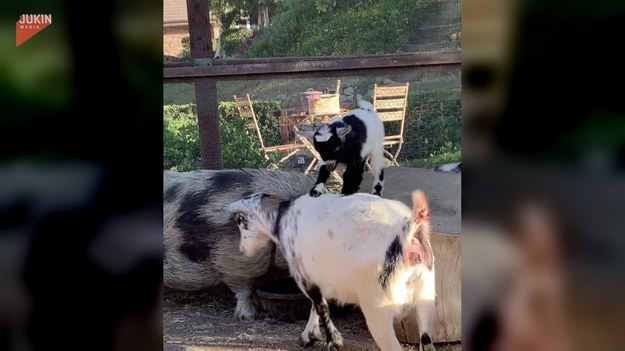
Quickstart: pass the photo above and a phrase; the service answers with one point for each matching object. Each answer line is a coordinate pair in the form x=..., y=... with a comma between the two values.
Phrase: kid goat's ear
x=343, y=131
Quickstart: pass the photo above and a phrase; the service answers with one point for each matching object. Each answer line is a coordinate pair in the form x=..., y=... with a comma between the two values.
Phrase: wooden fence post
x=205, y=88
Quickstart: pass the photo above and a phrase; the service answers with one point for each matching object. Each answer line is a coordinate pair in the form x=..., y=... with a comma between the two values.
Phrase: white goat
x=349, y=139
x=358, y=249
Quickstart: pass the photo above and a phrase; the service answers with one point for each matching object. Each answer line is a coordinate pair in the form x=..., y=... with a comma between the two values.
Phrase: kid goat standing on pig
x=350, y=139
x=359, y=249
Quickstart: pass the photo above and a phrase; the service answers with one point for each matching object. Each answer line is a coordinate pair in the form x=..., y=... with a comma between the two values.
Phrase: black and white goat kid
x=349, y=139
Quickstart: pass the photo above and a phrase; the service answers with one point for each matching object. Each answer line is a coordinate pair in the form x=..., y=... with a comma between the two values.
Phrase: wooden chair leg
x=392, y=158
x=272, y=164
x=311, y=165
x=397, y=152
x=287, y=156
x=337, y=177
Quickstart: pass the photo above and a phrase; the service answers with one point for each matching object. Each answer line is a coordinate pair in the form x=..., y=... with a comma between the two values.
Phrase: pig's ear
x=420, y=207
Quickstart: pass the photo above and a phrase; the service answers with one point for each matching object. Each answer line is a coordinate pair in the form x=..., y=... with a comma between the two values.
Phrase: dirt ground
x=205, y=321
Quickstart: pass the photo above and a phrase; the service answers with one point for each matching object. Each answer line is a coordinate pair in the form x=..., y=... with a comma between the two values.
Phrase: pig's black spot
x=172, y=192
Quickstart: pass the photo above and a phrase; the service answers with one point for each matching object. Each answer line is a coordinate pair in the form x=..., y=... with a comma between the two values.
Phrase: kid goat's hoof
x=317, y=190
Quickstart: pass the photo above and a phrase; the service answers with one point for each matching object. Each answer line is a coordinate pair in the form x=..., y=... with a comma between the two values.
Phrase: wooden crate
x=448, y=322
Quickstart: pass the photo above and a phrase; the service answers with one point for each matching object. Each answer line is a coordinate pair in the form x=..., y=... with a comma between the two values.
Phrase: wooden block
x=448, y=322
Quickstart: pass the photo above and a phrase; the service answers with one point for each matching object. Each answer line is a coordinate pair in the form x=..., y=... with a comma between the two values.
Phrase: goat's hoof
x=336, y=343
x=426, y=343
x=317, y=190
x=307, y=342
x=309, y=339
x=314, y=193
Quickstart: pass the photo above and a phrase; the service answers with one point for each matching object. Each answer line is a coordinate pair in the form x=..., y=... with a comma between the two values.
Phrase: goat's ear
x=343, y=131
x=270, y=203
x=420, y=207
x=234, y=207
x=308, y=134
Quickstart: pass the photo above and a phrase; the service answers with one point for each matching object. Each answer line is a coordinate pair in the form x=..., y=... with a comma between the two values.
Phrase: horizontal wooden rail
x=307, y=67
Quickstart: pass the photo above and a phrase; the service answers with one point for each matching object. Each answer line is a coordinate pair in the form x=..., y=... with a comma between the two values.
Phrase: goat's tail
x=365, y=104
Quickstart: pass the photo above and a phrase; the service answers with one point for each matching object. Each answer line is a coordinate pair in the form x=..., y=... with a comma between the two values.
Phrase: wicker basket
x=325, y=104
x=307, y=96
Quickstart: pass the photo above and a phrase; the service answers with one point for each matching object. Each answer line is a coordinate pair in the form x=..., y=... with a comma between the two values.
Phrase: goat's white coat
x=373, y=147
x=339, y=243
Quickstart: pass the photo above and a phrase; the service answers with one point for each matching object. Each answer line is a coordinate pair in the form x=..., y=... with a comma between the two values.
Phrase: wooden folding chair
x=390, y=103
x=246, y=110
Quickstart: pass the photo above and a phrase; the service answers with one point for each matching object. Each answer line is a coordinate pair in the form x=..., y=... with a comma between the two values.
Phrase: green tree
x=231, y=11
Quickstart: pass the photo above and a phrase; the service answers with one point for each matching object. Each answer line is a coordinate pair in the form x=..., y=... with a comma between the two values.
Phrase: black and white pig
x=201, y=241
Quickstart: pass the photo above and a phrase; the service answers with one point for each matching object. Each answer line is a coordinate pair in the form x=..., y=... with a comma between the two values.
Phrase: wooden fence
x=205, y=73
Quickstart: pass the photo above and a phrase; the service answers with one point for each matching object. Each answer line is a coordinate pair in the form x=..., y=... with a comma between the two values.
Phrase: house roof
x=174, y=12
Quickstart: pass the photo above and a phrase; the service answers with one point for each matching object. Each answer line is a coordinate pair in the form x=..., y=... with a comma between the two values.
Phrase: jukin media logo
x=29, y=25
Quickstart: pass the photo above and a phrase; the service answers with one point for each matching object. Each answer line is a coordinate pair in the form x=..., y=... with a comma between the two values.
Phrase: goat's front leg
x=335, y=340
x=320, y=184
x=352, y=178
x=311, y=333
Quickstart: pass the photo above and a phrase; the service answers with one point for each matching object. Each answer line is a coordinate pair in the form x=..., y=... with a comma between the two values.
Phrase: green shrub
x=232, y=39
x=239, y=145
x=266, y=112
x=186, y=48
x=447, y=153
x=340, y=28
x=432, y=120
x=181, y=147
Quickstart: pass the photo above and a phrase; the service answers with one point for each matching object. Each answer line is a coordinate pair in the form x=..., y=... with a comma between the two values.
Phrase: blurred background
x=543, y=140
x=543, y=152
x=80, y=177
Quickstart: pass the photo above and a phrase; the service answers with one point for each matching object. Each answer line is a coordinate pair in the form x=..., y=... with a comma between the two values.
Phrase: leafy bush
x=247, y=42
x=232, y=39
x=432, y=120
x=338, y=28
x=281, y=37
x=447, y=153
x=181, y=146
x=186, y=48
x=266, y=112
x=239, y=145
